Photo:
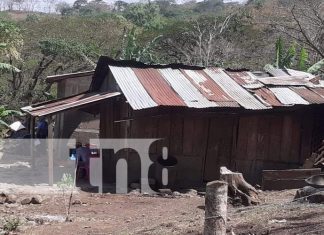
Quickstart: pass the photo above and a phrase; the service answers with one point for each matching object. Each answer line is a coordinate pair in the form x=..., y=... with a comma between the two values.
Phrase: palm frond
x=315, y=69
x=4, y=67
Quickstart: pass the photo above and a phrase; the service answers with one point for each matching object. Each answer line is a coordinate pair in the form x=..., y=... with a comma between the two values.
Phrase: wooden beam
x=50, y=152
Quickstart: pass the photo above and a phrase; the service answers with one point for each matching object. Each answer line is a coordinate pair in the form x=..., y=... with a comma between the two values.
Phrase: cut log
x=310, y=194
x=216, y=208
x=237, y=186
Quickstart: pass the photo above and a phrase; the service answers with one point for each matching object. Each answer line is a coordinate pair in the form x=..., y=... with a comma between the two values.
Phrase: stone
x=192, y=192
x=36, y=200
x=176, y=194
x=165, y=191
x=25, y=201
x=11, y=199
x=3, y=198
x=76, y=202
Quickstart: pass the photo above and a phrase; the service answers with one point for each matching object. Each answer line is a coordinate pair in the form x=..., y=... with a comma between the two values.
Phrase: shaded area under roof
x=73, y=102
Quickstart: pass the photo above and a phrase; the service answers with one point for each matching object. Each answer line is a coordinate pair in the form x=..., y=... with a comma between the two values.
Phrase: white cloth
x=16, y=126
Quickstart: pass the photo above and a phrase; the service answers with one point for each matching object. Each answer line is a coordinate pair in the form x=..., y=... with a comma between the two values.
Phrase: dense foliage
x=284, y=33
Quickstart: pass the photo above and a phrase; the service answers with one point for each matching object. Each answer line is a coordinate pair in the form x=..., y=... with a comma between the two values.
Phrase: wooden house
x=206, y=117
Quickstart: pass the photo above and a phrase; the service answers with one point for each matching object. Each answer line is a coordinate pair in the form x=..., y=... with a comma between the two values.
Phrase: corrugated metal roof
x=268, y=96
x=287, y=81
x=274, y=71
x=209, y=88
x=158, y=88
x=127, y=80
x=318, y=90
x=233, y=89
x=287, y=96
x=56, y=106
x=308, y=95
x=190, y=94
x=147, y=86
x=293, y=72
x=61, y=77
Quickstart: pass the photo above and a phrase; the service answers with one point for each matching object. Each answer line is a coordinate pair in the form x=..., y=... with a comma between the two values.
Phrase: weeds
x=67, y=183
x=11, y=224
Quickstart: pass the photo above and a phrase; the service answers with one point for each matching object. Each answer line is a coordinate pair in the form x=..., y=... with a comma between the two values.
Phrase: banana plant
x=5, y=113
x=5, y=67
x=316, y=68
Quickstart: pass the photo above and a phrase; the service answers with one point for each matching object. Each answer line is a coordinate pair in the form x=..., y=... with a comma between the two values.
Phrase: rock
x=3, y=198
x=192, y=192
x=176, y=194
x=135, y=192
x=11, y=199
x=165, y=191
x=77, y=202
x=25, y=201
x=36, y=200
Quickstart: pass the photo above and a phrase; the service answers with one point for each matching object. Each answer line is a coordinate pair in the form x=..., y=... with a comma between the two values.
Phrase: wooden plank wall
x=247, y=143
x=271, y=141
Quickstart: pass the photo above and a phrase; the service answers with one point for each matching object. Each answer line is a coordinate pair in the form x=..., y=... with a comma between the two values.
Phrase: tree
x=200, y=41
x=131, y=50
x=144, y=15
x=79, y=3
x=120, y=6
x=63, y=8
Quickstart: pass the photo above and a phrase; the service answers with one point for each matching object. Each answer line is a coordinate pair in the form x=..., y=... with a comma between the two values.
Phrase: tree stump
x=216, y=208
x=237, y=186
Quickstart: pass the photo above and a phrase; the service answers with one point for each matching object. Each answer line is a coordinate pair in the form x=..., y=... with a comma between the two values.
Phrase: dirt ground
x=143, y=214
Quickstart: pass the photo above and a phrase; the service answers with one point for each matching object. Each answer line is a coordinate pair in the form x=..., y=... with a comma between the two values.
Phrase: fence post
x=216, y=208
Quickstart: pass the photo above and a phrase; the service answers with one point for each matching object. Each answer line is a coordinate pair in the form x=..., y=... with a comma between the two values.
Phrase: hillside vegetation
x=208, y=33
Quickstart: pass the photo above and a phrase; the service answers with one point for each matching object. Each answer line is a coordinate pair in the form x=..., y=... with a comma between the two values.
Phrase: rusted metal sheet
x=266, y=95
x=293, y=72
x=319, y=91
x=233, y=89
x=189, y=93
x=310, y=96
x=132, y=88
x=245, y=79
x=275, y=72
x=209, y=88
x=286, y=81
x=52, y=107
x=287, y=96
x=61, y=77
x=157, y=87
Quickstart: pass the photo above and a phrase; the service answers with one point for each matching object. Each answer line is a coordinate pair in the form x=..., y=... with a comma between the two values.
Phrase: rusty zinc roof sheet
x=73, y=102
x=268, y=96
x=157, y=87
x=132, y=88
x=233, y=89
x=288, y=97
x=309, y=95
x=245, y=79
x=211, y=90
x=318, y=90
x=189, y=93
x=287, y=81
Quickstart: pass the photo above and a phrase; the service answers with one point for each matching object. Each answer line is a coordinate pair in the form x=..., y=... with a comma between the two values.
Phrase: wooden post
x=32, y=141
x=50, y=152
x=216, y=208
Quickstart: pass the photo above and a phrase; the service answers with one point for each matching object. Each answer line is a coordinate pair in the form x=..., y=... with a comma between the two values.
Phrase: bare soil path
x=138, y=214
